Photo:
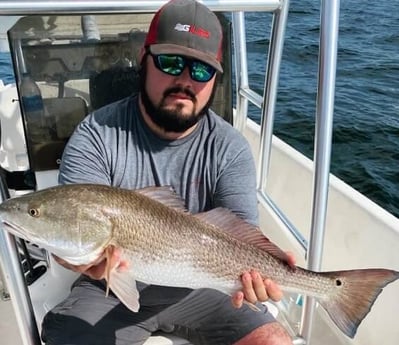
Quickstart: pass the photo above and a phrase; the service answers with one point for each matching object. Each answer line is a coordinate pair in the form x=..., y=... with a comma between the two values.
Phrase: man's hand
x=254, y=288
x=98, y=269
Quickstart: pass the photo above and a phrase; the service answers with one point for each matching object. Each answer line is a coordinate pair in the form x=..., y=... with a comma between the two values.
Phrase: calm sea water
x=366, y=119
x=365, y=150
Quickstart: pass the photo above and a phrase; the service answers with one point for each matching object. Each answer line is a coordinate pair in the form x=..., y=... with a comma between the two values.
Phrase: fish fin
x=123, y=285
x=240, y=229
x=357, y=291
x=110, y=265
x=165, y=195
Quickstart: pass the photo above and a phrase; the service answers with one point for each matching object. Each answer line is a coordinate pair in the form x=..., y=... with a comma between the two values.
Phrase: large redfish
x=166, y=245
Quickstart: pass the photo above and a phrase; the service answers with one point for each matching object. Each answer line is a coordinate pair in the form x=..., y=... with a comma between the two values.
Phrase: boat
x=74, y=51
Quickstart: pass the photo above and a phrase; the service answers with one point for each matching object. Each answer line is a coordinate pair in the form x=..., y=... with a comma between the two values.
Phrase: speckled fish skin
x=165, y=245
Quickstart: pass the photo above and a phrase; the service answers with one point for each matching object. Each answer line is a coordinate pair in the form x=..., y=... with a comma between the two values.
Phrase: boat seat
x=62, y=114
x=112, y=85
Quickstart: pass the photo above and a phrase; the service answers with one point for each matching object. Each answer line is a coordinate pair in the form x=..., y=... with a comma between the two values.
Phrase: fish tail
x=356, y=292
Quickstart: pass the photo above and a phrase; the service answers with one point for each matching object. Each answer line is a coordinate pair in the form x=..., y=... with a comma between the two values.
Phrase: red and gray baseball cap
x=188, y=28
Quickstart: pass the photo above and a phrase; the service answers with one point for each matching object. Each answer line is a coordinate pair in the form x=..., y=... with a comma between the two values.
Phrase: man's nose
x=185, y=77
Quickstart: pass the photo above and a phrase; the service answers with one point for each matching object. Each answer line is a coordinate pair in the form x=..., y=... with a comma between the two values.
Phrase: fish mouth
x=15, y=229
x=75, y=258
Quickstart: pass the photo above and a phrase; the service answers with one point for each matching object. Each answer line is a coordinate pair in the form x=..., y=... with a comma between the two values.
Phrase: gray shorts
x=201, y=316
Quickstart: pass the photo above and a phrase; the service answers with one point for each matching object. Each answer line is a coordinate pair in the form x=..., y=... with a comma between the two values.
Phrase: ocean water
x=365, y=151
x=6, y=71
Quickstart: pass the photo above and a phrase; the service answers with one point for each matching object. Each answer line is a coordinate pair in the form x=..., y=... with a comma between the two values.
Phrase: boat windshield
x=67, y=66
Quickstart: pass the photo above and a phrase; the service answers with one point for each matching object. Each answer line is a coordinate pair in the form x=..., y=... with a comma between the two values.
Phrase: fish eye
x=34, y=212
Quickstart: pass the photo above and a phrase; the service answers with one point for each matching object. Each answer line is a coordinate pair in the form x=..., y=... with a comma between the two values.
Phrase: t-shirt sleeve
x=84, y=159
x=236, y=185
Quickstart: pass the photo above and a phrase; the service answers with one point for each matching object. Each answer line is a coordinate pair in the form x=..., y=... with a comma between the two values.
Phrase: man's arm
x=236, y=183
x=85, y=158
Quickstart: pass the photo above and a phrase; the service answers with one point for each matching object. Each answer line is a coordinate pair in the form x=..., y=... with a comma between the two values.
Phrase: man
x=167, y=135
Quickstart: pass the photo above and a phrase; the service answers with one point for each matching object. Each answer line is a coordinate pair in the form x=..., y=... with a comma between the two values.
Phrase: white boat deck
x=9, y=332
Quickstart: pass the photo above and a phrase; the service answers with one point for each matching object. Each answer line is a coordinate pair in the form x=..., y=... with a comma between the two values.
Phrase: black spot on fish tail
x=355, y=293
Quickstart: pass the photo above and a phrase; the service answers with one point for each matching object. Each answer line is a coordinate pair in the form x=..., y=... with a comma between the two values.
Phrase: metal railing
x=14, y=279
x=18, y=7
x=323, y=138
x=329, y=24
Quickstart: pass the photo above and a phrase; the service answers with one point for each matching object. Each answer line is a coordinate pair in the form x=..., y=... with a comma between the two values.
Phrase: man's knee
x=58, y=329
x=269, y=334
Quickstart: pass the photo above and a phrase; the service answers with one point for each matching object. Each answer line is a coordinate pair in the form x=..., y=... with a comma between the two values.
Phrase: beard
x=171, y=120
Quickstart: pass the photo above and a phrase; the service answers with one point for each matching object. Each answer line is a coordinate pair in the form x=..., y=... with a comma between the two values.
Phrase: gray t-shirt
x=211, y=167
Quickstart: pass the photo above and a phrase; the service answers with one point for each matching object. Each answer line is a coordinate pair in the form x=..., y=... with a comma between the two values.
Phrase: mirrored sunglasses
x=175, y=65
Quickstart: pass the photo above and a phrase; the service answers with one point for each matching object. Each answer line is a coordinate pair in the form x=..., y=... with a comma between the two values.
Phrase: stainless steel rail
x=17, y=7
x=14, y=279
x=242, y=83
x=270, y=90
x=266, y=103
x=329, y=24
x=324, y=121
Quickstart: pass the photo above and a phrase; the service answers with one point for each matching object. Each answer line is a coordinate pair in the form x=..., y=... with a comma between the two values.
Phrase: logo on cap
x=192, y=29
